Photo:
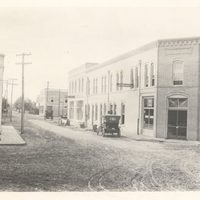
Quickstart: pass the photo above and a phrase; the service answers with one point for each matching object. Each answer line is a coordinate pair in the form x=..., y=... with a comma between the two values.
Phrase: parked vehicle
x=110, y=125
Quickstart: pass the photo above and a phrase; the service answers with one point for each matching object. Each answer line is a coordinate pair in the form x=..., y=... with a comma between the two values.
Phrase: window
x=121, y=79
x=72, y=87
x=105, y=86
x=66, y=101
x=152, y=75
x=88, y=86
x=93, y=86
x=52, y=99
x=178, y=67
x=178, y=102
x=82, y=84
x=136, y=77
x=102, y=84
x=148, y=112
x=146, y=76
x=117, y=81
x=75, y=86
x=79, y=85
x=96, y=85
x=131, y=78
x=111, y=82
x=122, y=113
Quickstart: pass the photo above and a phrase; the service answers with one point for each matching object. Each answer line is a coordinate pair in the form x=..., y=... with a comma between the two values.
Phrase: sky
x=62, y=38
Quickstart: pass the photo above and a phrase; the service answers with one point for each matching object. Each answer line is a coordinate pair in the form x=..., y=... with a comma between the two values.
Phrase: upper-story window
x=117, y=81
x=132, y=79
x=146, y=76
x=79, y=85
x=75, y=86
x=72, y=87
x=82, y=84
x=178, y=68
x=105, y=84
x=93, y=86
x=88, y=86
x=96, y=85
x=102, y=84
x=136, y=77
x=121, y=79
x=111, y=82
x=152, y=75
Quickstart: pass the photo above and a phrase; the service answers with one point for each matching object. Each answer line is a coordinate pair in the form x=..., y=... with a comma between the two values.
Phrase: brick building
x=53, y=99
x=155, y=89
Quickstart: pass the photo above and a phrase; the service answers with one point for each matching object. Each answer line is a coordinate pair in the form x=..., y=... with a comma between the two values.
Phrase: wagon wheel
x=103, y=132
x=119, y=133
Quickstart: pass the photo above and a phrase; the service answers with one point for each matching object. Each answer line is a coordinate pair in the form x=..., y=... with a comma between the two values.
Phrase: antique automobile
x=110, y=125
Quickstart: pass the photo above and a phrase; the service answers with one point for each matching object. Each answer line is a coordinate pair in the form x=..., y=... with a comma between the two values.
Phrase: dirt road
x=59, y=159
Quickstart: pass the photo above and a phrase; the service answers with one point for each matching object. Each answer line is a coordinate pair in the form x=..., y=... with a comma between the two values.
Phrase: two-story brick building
x=52, y=99
x=155, y=89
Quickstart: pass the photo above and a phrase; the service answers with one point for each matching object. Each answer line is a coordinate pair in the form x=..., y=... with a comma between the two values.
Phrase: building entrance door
x=177, y=124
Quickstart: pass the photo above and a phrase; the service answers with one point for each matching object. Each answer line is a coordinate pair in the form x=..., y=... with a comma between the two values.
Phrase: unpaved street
x=60, y=159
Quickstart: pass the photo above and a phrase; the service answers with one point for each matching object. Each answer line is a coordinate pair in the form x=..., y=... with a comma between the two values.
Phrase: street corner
x=10, y=136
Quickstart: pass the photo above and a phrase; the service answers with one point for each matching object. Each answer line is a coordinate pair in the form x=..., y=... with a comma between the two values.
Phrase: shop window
x=178, y=68
x=122, y=113
x=148, y=112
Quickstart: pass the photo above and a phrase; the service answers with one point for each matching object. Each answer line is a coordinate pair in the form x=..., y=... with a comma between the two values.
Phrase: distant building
x=53, y=99
x=155, y=89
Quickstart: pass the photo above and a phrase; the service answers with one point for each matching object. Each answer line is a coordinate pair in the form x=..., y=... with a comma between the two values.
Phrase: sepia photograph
x=99, y=97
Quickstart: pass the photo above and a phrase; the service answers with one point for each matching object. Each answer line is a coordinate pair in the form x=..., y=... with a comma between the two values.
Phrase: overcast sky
x=63, y=38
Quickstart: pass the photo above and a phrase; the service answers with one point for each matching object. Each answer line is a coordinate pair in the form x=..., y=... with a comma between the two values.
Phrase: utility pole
x=59, y=103
x=6, y=97
x=47, y=98
x=11, y=97
x=22, y=55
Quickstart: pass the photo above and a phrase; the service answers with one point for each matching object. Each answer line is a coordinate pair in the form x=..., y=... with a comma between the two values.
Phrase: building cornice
x=179, y=42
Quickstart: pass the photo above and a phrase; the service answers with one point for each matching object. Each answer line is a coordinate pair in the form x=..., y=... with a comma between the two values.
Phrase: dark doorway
x=177, y=124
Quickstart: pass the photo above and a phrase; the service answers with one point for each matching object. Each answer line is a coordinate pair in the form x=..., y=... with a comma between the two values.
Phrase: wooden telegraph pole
x=22, y=55
x=11, y=97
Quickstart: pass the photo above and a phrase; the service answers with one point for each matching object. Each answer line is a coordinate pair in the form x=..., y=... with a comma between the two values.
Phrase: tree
x=28, y=104
x=5, y=104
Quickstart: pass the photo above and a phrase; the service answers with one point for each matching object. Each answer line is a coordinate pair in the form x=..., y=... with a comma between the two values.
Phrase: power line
x=22, y=63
